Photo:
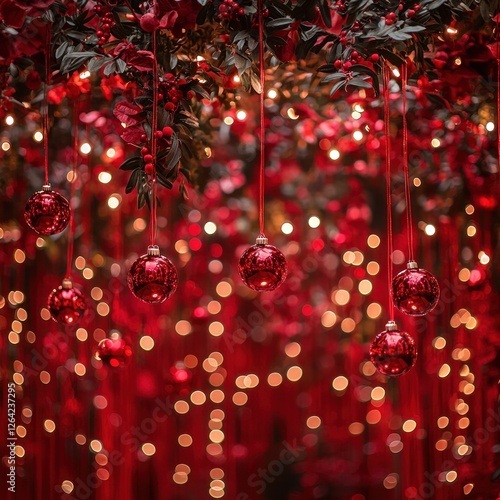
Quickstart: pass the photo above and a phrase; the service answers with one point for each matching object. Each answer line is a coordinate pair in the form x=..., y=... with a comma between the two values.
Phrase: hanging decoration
x=153, y=278
x=262, y=267
x=47, y=212
x=415, y=291
x=114, y=351
x=66, y=303
x=393, y=352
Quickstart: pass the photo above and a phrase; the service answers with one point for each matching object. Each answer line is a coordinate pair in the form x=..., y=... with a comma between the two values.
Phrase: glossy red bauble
x=263, y=267
x=66, y=303
x=47, y=212
x=415, y=291
x=393, y=352
x=114, y=351
x=152, y=277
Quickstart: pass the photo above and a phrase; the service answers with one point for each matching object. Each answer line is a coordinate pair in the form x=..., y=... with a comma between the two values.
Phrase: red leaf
x=12, y=15
x=132, y=135
x=168, y=20
x=142, y=60
x=127, y=113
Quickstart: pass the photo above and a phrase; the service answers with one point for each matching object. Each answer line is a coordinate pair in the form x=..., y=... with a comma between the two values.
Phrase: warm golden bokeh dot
x=240, y=398
x=356, y=428
x=216, y=473
x=391, y=481
x=444, y=371
x=348, y=325
x=80, y=439
x=373, y=417
x=313, y=422
x=292, y=349
x=224, y=289
x=340, y=383
x=443, y=422
x=96, y=293
x=95, y=446
x=373, y=268
x=101, y=459
x=191, y=361
x=328, y=319
x=409, y=426
x=216, y=328
x=181, y=407
x=294, y=373
x=149, y=449
x=217, y=396
x=49, y=425
x=198, y=398
x=185, y=440
x=274, y=379
x=373, y=241
x=147, y=343
x=67, y=486
x=216, y=436
x=183, y=327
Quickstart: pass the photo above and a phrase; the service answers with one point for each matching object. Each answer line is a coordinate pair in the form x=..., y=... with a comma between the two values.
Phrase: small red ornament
x=47, y=212
x=263, y=267
x=114, y=351
x=415, y=291
x=66, y=303
x=393, y=352
x=152, y=277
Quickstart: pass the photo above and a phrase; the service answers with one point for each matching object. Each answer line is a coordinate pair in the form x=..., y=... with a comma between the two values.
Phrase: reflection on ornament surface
x=415, y=291
x=263, y=267
x=47, y=212
x=152, y=277
x=66, y=303
x=114, y=351
x=393, y=352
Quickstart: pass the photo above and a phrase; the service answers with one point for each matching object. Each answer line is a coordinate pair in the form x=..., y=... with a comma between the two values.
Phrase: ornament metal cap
x=391, y=326
x=153, y=250
x=67, y=284
x=261, y=240
x=46, y=187
x=412, y=265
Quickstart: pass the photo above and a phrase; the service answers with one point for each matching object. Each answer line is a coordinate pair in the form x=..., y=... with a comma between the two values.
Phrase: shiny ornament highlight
x=47, y=212
x=263, y=267
x=415, y=291
x=114, y=351
x=393, y=352
x=66, y=303
x=152, y=277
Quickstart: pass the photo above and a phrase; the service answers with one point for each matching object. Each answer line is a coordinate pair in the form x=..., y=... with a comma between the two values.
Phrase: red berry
x=144, y=151
x=416, y=7
x=347, y=65
x=148, y=168
x=190, y=94
x=354, y=54
x=374, y=57
x=338, y=63
x=170, y=106
x=159, y=134
x=148, y=158
x=182, y=81
x=144, y=137
x=168, y=131
x=411, y=13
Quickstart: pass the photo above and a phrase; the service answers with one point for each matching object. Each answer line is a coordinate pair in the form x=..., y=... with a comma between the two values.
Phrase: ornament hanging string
x=154, y=128
x=387, y=133
x=260, y=9
x=406, y=170
x=74, y=170
x=45, y=107
x=498, y=90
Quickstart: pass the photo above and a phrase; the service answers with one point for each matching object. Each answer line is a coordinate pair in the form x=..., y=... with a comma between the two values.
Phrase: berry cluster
x=229, y=10
x=166, y=133
x=104, y=31
x=172, y=90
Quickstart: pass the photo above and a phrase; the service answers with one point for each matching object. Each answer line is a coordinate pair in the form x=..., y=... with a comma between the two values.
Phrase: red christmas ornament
x=66, y=303
x=47, y=212
x=114, y=351
x=415, y=291
x=393, y=352
x=152, y=277
x=263, y=267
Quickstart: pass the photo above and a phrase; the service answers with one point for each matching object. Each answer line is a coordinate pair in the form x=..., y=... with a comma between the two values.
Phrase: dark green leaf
x=131, y=163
